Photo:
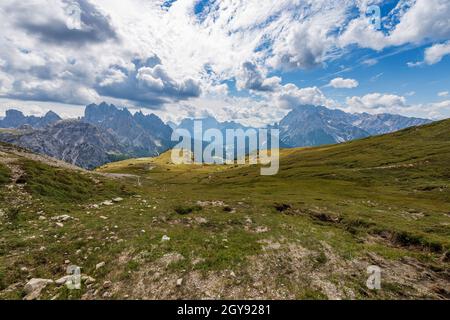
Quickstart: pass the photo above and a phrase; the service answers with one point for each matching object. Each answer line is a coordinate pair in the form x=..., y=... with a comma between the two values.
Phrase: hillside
x=309, y=232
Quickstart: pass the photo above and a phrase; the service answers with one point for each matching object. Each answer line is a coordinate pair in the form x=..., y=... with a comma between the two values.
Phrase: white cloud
x=252, y=77
x=161, y=56
x=341, y=83
x=443, y=94
x=435, y=53
x=420, y=21
x=376, y=103
x=291, y=96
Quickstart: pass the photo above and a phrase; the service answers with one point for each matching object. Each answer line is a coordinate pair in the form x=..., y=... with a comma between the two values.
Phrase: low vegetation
x=65, y=186
x=4, y=174
x=145, y=228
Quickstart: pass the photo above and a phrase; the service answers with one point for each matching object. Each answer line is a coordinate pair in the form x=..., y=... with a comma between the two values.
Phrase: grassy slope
x=43, y=191
x=387, y=195
x=382, y=200
x=4, y=174
x=374, y=182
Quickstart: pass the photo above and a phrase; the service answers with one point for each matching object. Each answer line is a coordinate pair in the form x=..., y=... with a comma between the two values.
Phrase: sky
x=250, y=61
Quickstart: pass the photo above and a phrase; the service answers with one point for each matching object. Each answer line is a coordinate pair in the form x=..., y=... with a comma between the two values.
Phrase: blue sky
x=250, y=61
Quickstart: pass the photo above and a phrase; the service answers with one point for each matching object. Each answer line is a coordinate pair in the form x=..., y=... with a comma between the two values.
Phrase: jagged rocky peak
x=15, y=119
x=99, y=113
x=49, y=118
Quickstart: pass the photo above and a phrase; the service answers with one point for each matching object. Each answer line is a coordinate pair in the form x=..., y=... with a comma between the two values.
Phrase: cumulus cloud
x=418, y=22
x=49, y=21
x=150, y=85
x=50, y=90
x=341, y=83
x=252, y=78
x=435, y=53
x=376, y=103
x=148, y=54
x=290, y=96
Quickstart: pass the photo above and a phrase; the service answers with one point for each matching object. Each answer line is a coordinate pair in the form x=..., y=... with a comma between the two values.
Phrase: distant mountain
x=107, y=133
x=72, y=141
x=104, y=134
x=316, y=125
x=146, y=134
x=385, y=122
x=210, y=123
x=16, y=119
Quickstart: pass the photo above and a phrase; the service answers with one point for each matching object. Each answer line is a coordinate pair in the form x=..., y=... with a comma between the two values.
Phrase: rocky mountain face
x=317, y=125
x=72, y=141
x=385, y=123
x=147, y=135
x=104, y=134
x=15, y=119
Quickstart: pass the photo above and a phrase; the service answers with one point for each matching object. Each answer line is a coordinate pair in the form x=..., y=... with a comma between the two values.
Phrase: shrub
x=187, y=210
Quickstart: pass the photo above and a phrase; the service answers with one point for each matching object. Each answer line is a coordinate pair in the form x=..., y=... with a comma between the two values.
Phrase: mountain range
x=104, y=134
x=316, y=125
x=107, y=133
x=16, y=119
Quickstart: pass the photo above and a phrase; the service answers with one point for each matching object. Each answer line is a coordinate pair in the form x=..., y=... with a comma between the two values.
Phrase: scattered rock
x=165, y=238
x=99, y=265
x=34, y=287
x=261, y=230
x=201, y=220
x=118, y=199
x=197, y=261
x=56, y=296
x=217, y=203
x=180, y=282
x=107, y=203
x=59, y=224
x=87, y=279
x=62, y=218
x=63, y=280
x=170, y=258
x=103, y=217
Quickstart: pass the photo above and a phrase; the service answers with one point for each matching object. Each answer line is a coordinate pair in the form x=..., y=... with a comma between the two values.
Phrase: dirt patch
x=406, y=240
x=287, y=271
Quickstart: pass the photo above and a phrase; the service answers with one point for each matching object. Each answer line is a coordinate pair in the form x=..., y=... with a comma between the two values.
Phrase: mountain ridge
x=117, y=133
x=309, y=125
